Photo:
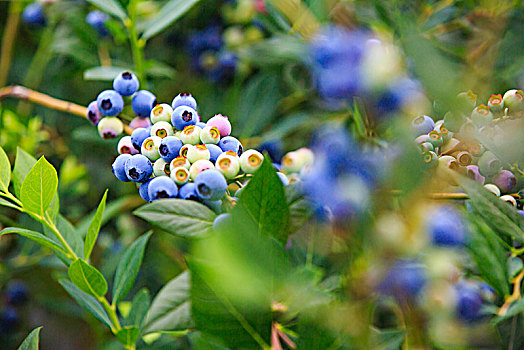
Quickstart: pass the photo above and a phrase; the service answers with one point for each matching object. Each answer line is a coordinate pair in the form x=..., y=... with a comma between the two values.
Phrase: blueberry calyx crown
x=204, y=189
x=162, y=194
x=163, y=150
x=127, y=75
x=133, y=173
x=187, y=116
x=106, y=104
x=91, y=116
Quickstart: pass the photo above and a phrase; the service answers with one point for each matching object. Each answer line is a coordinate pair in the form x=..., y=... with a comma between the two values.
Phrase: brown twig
x=514, y=296
x=24, y=93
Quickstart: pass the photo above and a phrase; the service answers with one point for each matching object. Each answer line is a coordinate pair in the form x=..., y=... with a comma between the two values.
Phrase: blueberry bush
x=266, y=174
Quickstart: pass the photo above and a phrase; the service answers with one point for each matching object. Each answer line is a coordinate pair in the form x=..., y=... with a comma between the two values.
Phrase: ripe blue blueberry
x=229, y=143
x=222, y=222
x=184, y=99
x=188, y=191
x=110, y=103
x=404, y=281
x=446, y=227
x=119, y=167
x=211, y=185
x=93, y=114
x=183, y=116
x=97, y=19
x=138, y=136
x=34, y=15
x=162, y=187
x=143, y=190
x=422, y=125
x=170, y=148
x=273, y=149
x=138, y=168
x=9, y=320
x=469, y=303
x=126, y=83
x=142, y=103
x=17, y=293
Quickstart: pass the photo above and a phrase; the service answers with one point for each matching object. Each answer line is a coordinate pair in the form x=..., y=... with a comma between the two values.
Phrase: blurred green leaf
x=179, y=217
x=358, y=116
x=6, y=203
x=263, y=199
x=104, y=73
x=111, y=6
x=23, y=163
x=86, y=301
x=128, y=268
x=168, y=14
x=139, y=307
x=39, y=187
x=171, y=308
x=388, y=339
x=31, y=341
x=5, y=171
x=128, y=335
x=510, y=331
x=299, y=208
x=159, y=69
x=94, y=227
x=35, y=236
x=87, y=278
x=277, y=50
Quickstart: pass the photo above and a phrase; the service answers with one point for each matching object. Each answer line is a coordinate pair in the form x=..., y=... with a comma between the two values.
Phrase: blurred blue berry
x=34, y=15
x=404, y=281
x=446, y=227
x=97, y=19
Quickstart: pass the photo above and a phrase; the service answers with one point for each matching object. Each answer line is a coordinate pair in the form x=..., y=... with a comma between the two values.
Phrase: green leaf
x=86, y=301
x=111, y=6
x=94, y=228
x=178, y=217
x=128, y=268
x=139, y=307
x=171, y=308
x=358, y=111
x=7, y=203
x=23, y=163
x=31, y=341
x=299, y=208
x=128, y=335
x=104, y=73
x=39, y=187
x=34, y=236
x=69, y=233
x=264, y=201
x=277, y=50
x=5, y=171
x=87, y=278
x=168, y=14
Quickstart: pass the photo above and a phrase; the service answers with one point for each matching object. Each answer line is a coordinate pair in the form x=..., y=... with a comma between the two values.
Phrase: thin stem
x=103, y=54
x=514, y=296
x=8, y=40
x=10, y=196
x=111, y=312
x=137, y=44
x=46, y=220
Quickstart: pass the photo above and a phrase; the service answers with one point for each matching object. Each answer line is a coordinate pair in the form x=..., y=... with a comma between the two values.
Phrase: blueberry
x=110, y=127
x=119, y=168
x=191, y=135
x=222, y=222
x=211, y=185
x=188, y=191
x=210, y=134
x=161, y=168
x=481, y=116
x=198, y=152
x=495, y=103
x=138, y=122
x=183, y=116
x=143, y=190
x=446, y=227
x=138, y=136
x=250, y=161
x=216, y=206
x=110, y=103
x=142, y=103
x=283, y=178
x=162, y=129
x=221, y=122
x=162, y=187
x=229, y=143
x=184, y=99
x=404, y=281
x=214, y=151
x=161, y=112
x=469, y=303
x=273, y=149
x=97, y=19
x=126, y=146
x=150, y=147
x=505, y=180
x=514, y=100
x=34, y=15
x=93, y=114
x=180, y=175
x=488, y=164
x=126, y=83
x=198, y=167
x=201, y=125
x=472, y=171
x=17, y=293
x=9, y=320
x=228, y=164
x=169, y=148
x=422, y=125
x=138, y=168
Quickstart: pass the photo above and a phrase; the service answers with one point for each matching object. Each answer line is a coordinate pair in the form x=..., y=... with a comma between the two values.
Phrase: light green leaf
x=168, y=14
x=5, y=171
x=128, y=335
x=139, y=307
x=23, y=163
x=94, y=228
x=35, y=236
x=111, y=6
x=39, y=187
x=7, y=203
x=128, y=268
x=87, y=278
x=171, y=308
x=31, y=341
x=86, y=301
x=178, y=217
x=104, y=73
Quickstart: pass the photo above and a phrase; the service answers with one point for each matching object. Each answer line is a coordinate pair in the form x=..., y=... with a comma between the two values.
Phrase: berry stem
x=111, y=312
x=137, y=44
x=514, y=296
x=8, y=40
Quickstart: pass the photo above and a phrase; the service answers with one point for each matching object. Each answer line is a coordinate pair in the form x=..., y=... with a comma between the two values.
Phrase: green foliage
x=87, y=278
x=94, y=228
x=167, y=15
x=32, y=340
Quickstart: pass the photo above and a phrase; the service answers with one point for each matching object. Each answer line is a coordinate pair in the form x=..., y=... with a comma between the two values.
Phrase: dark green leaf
x=178, y=217
x=263, y=199
x=128, y=335
x=39, y=187
x=94, y=228
x=5, y=171
x=168, y=14
x=139, y=307
x=104, y=73
x=87, y=278
x=23, y=163
x=511, y=334
x=358, y=116
x=31, y=341
x=170, y=310
x=35, y=236
x=299, y=209
x=128, y=268
x=111, y=6
x=86, y=301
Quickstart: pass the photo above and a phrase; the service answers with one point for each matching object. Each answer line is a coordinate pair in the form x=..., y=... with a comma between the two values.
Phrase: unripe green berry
x=198, y=167
x=161, y=167
x=210, y=134
x=110, y=127
x=162, y=129
x=191, y=135
x=197, y=152
x=150, y=147
x=481, y=116
x=161, y=113
x=180, y=175
x=228, y=164
x=250, y=161
x=489, y=164
x=180, y=162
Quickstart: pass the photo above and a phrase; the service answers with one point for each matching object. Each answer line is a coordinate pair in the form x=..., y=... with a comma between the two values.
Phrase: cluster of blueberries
x=452, y=143
x=16, y=295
